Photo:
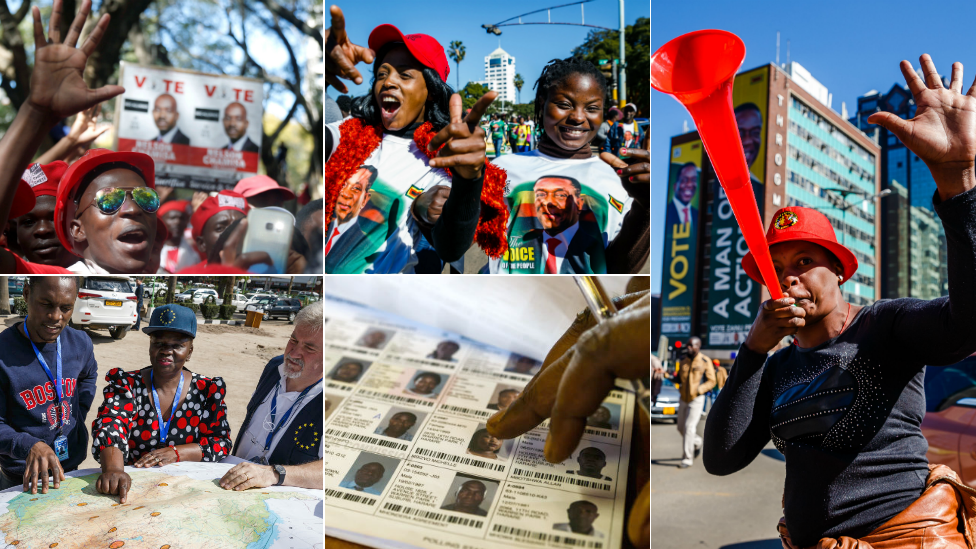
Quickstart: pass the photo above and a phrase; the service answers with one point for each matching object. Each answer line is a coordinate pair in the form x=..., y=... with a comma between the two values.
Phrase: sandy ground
x=237, y=354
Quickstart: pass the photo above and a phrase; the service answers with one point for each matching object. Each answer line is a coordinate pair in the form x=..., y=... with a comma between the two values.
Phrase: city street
x=693, y=509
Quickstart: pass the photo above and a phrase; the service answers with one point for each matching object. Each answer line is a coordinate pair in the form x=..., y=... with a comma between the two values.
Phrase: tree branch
x=13, y=41
x=289, y=16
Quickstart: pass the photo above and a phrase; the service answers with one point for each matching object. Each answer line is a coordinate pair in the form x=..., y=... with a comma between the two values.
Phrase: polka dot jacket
x=128, y=421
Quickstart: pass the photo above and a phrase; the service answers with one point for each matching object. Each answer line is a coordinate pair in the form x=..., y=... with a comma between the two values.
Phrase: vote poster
x=203, y=131
x=733, y=297
x=681, y=224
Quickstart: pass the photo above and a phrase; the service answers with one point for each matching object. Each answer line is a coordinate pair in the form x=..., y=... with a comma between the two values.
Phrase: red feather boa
x=358, y=143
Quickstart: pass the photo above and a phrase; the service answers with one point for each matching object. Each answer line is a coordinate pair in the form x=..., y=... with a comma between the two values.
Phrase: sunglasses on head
x=109, y=200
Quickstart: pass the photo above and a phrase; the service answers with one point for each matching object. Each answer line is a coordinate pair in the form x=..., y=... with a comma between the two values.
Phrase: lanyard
x=164, y=431
x=284, y=418
x=58, y=389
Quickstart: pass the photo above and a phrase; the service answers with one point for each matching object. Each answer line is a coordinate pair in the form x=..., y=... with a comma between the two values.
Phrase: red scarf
x=360, y=140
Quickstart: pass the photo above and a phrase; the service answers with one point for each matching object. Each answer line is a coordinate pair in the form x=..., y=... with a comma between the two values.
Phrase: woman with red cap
x=844, y=404
x=177, y=252
x=57, y=91
x=405, y=169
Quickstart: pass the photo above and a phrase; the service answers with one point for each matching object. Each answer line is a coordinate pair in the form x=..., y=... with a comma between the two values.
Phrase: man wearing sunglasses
x=106, y=212
x=57, y=91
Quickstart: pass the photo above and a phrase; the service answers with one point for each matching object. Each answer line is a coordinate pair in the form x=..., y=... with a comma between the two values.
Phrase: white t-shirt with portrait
x=386, y=238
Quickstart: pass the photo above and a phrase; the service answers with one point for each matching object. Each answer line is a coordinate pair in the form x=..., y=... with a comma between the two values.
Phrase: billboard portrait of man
x=344, y=231
x=749, y=119
x=235, y=126
x=166, y=114
x=680, y=208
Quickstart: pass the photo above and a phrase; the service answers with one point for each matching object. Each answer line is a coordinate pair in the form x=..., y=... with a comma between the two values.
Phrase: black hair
x=414, y=416
x=31, y=281
x=746, y=107
x=99, y=170
x=593, y=450
x=436, y=109
x=575, y=183
x=428, y=374
x=475, y=436
x=344, y=102
x=503, y=391
x=558, y=70
x=308, y=213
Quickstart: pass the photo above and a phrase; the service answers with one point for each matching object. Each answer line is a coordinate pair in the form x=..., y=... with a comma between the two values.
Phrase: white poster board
x=203, y=131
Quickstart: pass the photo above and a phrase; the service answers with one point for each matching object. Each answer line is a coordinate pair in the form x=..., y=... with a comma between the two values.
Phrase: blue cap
x=172, y=318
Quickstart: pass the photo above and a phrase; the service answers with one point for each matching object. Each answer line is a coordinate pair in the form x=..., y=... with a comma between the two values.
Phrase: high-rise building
x=915, y=243
x=500, y=74
x=800, y=153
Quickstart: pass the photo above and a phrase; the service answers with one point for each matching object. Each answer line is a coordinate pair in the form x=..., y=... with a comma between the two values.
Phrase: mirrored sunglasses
x=109, y=200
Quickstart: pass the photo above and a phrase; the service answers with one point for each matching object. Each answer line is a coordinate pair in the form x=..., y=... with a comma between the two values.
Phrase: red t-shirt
x=26, y=267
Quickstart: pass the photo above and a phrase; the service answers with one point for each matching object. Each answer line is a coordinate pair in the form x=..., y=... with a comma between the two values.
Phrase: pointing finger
x=474, y=117
x=456, y=107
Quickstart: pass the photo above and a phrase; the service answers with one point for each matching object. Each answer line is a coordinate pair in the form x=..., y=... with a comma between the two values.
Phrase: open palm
x=57, y=82
x=944, y=128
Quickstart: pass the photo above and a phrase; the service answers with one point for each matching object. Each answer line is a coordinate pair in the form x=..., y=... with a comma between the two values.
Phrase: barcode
x=430, y=515
x=460, y=460
x=560, y=478
x=355, y=498
x=562, y=540
x=462, y=410
x=395, y=398
x=368, y=439
x=601, y=432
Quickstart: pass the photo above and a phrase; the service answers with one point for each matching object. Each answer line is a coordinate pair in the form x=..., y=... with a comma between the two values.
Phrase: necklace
x=846, y=318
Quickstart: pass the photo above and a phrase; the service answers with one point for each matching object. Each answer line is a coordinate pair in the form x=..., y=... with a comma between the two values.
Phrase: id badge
x=61, y=447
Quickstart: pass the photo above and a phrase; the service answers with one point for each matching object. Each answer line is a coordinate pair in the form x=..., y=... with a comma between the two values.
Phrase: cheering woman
x=844, y=404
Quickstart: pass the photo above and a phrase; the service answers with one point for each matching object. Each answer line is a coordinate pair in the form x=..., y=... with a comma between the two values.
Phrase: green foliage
x=471, y=93
x=20, y=306
x=456, y=52
x=606, y=45
x=518, y=82
x=227, y=312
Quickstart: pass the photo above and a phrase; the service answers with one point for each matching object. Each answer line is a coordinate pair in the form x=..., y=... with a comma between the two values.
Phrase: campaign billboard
x=681, y=222
x=733, y=297
x=203, y=131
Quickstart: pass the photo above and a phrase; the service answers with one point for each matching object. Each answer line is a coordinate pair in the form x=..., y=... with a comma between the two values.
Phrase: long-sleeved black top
x=847, y=414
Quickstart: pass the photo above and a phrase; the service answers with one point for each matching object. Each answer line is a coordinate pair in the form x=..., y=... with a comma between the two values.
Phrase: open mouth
x=133, y=235
x=389, y=104
x=573, y=133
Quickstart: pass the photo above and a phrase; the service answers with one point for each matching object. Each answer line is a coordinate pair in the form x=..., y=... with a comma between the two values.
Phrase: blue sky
x=531, y=45
x=850, y=47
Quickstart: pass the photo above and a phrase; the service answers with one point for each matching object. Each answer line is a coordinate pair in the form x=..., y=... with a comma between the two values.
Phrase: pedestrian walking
x=696, y=376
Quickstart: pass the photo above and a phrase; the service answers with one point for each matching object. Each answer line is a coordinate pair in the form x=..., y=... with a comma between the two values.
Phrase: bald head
x=694, y=345
x=165, y=113
x=235, y=121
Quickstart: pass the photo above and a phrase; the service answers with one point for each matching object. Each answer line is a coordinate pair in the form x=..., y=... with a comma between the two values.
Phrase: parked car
x=287, y=307
x=949, y=424
x=198, y=295
x=240, y=301
x=255, y=299
x=105, y=302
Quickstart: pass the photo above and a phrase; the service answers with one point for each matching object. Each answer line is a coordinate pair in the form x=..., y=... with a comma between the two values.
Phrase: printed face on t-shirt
x=557, y=203
x=354, y=195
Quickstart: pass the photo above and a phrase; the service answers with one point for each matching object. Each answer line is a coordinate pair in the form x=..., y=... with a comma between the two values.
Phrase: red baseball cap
x=257, y=184
x=225, y=200
x=178, y=205
x=804, y=224
x=43, y=179
x=428, y=51
x=64, y=210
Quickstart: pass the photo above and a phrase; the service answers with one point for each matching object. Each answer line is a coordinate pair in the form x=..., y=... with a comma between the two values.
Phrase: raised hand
x=85, y=128
x=57, y=84
x=341, y=55
x=943, y=132
x=463, y=141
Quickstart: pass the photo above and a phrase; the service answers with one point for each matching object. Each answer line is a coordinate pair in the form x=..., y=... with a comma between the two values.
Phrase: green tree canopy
x=605, y=44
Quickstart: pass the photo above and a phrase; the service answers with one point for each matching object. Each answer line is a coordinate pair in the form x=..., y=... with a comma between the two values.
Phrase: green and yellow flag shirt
x=373, y=230
x=563, y=214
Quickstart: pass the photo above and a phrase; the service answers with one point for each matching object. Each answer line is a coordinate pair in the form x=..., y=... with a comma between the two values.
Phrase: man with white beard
x=282, y=431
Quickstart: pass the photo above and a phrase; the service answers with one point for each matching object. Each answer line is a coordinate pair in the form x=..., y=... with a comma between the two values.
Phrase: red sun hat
x=257, y=184
x=807, y=225
x=77, y=171
x=173, y=205
x=427, y=50
x=43, y=179
x=225, y=200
